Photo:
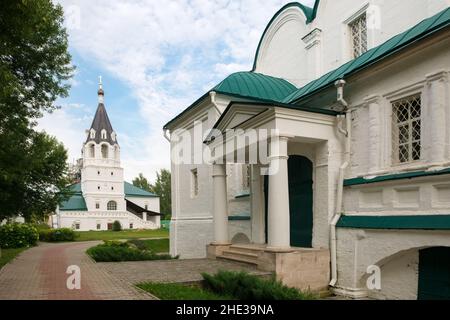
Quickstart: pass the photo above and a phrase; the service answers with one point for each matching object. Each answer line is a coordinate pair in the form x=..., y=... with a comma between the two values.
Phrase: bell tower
x=102, y=181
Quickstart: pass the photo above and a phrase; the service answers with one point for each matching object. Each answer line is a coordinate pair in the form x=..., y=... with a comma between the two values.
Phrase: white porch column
x=144, y=216
x=220, y=205
x=257, y=205
x=278, y=206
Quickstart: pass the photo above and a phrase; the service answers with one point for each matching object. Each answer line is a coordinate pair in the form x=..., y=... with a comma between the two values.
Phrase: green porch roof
x=255, y=85
x=393, y=45
x=77, y=203
x=247, y=85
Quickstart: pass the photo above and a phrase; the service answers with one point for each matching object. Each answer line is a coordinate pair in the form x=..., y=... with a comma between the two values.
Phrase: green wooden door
x=300, y=201
x=434, y=274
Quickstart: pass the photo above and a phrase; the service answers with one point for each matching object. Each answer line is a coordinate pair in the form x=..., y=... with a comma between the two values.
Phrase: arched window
x=104, y=134
x=92, y=151
x=112, y=206
x=92, y=134
x=104, y=151
x=113, y=136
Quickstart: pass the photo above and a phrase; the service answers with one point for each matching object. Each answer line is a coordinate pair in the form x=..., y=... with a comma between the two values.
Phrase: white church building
x=358, y=95
x=102, y=196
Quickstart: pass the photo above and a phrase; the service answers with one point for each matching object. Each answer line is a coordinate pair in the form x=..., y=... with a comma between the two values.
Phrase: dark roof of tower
x=101, y=122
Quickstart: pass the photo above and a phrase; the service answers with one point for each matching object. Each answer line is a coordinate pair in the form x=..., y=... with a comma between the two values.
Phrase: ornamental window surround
x=112, y=206
x=358, y=34
x=406, y=129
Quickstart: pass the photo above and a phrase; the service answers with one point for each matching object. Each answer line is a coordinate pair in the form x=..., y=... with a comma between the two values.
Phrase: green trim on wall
x=239, y=218
x=392, y=177
x=310, y=14
x=422, y=222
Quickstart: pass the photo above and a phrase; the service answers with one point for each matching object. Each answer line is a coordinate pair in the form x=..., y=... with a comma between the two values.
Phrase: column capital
x=372, y=99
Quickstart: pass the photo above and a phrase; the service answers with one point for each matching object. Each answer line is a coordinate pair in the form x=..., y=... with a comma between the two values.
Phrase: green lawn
x=170, y=291
x=121, y=235
x=9, y=254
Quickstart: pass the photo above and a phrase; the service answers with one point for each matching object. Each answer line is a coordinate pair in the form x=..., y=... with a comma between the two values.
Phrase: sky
x=155, y=57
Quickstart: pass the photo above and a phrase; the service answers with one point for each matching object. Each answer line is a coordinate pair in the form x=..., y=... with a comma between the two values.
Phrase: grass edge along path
x=176, y=291
x=7, y=255
x=121, y=235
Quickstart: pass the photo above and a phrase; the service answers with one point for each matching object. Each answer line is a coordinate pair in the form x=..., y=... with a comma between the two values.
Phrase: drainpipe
x=166, y=134
x=340, y=188
x=213, y=94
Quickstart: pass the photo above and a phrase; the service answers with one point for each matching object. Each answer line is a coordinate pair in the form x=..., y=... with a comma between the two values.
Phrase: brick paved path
x=40, y=273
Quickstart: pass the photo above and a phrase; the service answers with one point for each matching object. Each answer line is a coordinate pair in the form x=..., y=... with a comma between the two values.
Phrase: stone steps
x=241, y=253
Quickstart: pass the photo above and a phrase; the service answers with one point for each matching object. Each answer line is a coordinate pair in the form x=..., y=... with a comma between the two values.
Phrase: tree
x=34, y=69
x=142, y=182
x=162, y=188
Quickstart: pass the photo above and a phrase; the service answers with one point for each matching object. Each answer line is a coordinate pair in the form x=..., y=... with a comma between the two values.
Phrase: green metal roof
x=77, y=203
x=310, y=14
x=132, y=191
x=248, y=85
x=255, y=85
x=418, y=32
x=74, y=203
x=422, y=222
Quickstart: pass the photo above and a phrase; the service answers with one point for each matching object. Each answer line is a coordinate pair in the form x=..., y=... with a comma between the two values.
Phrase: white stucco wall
x=88, y=220
x=300, y=52
x=424, y=72
x=425, y=69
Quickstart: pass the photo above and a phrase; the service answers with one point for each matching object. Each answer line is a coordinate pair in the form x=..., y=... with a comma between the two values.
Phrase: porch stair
x=242, y=253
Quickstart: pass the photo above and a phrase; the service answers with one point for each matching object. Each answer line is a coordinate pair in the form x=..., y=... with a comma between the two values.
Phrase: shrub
x=243, y=286
x=57, y=235
x=117, y=226
x=115, y=251
x=18, y=235
x=140, y=244
x=41, y=226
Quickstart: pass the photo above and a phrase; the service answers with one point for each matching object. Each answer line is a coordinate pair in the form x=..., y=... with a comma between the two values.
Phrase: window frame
x=350, y=23
x=395, y=129
x=110, y=206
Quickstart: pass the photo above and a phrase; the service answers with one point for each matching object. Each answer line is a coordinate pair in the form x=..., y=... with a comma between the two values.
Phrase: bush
x=117, y=226
x=115, y=251
x=57, y=235
x=140, y=244
x=243, y=286
x=18, y=235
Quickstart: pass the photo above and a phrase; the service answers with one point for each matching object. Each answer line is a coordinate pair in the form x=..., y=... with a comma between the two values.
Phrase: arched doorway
x=434, y=274
x=300, y=170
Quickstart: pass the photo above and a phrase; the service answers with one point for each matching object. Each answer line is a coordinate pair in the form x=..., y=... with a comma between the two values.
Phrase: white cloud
x=167, y=53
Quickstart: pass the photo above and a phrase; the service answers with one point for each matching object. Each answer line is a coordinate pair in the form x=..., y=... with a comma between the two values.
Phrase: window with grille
x=358, y=33
x=112, y=206
x=406, y=131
